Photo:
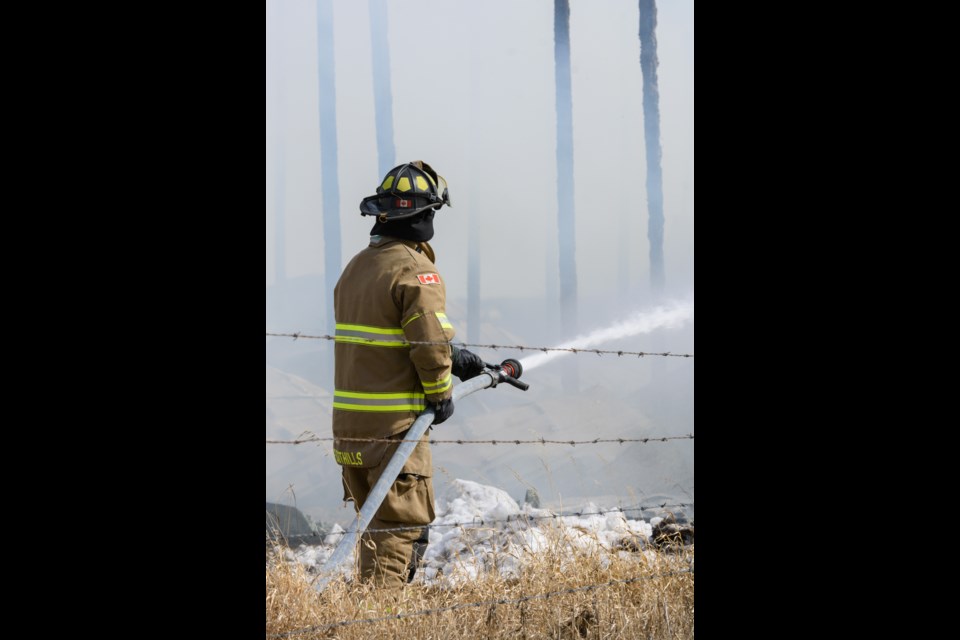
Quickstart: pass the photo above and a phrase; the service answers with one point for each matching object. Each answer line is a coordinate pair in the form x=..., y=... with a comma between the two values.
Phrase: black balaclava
x=418, y=228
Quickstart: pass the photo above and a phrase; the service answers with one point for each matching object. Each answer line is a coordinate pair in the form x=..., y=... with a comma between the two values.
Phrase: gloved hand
x=466, y=364
x=442, y=410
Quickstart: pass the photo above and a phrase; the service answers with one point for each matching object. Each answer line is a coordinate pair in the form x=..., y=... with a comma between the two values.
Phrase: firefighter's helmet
x=406, y=190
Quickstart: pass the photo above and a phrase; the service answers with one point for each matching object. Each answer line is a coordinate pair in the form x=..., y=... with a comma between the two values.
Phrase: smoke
x=671, y=315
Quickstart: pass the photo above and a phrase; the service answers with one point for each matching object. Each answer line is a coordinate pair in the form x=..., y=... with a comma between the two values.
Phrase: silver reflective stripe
x=372, y=336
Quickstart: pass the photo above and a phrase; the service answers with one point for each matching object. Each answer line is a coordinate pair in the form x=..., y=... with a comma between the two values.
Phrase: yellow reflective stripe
x=442, y=317
x=439, y=386
x=360, y=395
x=356, y=401
x=374, y=336
x=346, y=406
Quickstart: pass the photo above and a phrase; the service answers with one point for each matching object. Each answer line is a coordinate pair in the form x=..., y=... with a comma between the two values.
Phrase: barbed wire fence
x=479, y=522
x=307, y=437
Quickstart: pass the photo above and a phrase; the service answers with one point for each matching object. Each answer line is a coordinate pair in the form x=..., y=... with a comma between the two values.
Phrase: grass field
x=564, y=590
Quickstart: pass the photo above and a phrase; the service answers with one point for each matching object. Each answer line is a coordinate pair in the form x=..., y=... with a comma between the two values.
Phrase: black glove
x=466, y=364
x=442, y=410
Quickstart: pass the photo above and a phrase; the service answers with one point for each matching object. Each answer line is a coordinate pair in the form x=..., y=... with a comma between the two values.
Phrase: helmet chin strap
x=384, y=218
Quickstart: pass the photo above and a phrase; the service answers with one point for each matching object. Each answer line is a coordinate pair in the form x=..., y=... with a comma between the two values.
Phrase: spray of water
x=668, y=316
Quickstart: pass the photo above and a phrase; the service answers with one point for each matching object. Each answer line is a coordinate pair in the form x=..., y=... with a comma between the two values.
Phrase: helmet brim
x=370, y=206
x=375, y=206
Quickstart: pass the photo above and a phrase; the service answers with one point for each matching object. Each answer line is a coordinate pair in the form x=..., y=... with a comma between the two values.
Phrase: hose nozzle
x=508, y=371
x=512, y=367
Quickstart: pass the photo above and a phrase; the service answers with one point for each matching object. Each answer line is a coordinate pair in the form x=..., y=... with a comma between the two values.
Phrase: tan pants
x=385, y=557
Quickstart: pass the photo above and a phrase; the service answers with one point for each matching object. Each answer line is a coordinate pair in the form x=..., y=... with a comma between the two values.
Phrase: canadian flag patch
x=428, y=278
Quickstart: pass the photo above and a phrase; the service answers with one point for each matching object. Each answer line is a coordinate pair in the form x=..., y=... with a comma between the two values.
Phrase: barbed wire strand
x=462, y=441
x=521, y=348
x=485, y=603
x=519, y=518
x=522, y=518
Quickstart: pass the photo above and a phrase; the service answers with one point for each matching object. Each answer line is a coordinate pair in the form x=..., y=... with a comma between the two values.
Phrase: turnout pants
x=390, y=558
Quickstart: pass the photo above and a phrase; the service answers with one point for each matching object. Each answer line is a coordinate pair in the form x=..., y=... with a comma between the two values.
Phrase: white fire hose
x=508, y=371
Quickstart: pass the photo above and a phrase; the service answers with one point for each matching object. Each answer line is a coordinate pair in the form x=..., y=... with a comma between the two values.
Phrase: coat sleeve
x=422, y=296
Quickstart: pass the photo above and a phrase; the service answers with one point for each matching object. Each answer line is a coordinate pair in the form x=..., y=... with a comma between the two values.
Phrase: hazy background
x=474, y=95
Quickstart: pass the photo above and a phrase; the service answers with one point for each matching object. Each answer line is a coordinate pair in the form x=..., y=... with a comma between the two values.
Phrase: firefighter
x=393, y=360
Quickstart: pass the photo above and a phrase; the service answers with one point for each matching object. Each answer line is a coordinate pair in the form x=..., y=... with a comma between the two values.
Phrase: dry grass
x=655, y=605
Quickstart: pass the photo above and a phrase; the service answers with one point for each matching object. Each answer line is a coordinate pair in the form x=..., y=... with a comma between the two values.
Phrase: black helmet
x=405, y=191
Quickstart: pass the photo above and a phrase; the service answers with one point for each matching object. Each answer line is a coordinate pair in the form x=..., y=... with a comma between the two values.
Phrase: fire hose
x=508, y=371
